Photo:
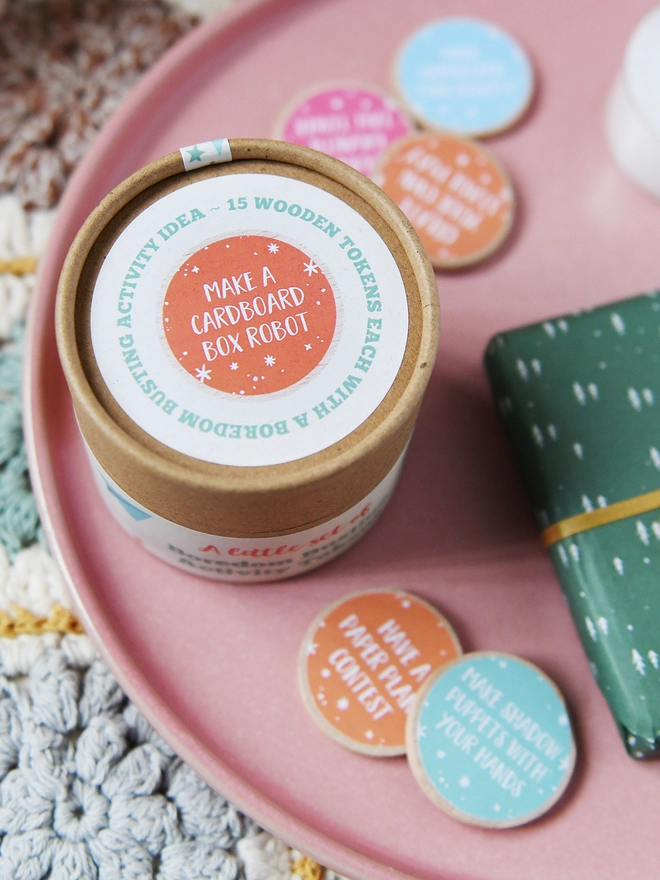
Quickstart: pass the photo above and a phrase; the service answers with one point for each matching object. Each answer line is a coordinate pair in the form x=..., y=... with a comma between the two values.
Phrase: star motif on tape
x=195, y=154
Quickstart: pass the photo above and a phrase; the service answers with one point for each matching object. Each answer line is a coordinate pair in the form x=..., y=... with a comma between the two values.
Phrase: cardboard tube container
x=247, y=328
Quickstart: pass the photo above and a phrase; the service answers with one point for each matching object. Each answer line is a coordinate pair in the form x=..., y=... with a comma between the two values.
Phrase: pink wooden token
x=355, y=124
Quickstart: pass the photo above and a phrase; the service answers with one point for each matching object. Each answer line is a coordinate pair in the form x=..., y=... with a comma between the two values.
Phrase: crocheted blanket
x=87, y=788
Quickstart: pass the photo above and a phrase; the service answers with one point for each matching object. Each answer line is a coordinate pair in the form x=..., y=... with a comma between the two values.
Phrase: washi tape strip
x=353, y=123
x=490, y=741
x=454, y=192
x=207, y=153
x=363, y=662
x=465, y=76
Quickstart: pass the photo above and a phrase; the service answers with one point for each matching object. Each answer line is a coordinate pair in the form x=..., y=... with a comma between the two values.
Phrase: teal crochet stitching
x=19, y=520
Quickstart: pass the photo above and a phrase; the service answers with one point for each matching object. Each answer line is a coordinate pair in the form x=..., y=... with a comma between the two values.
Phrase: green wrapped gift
x=579, y=398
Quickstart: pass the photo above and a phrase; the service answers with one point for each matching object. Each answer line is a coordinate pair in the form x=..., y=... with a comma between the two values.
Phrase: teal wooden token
x=464, y=76
x=489, y=740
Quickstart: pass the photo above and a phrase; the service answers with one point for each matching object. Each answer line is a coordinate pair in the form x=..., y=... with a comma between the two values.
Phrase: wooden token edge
x=496, y=243
x=306, y=692
x=421, y=777
x=431, y=126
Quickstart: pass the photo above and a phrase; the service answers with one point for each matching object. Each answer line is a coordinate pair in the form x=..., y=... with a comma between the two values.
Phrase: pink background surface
x=213, y=666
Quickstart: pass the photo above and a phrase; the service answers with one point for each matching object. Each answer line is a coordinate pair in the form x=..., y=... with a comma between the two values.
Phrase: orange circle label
x=453, y=192
x=250, y=314
x=363, y=661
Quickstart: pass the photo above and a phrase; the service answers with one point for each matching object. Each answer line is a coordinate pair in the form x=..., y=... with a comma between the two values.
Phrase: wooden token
x=464, y=76
x=454, y=192
x=363, y=661
x=351, y=122
x=490, y=741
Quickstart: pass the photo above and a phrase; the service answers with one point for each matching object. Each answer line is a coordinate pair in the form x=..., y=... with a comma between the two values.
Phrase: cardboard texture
x=578, y=398
x=245, y=501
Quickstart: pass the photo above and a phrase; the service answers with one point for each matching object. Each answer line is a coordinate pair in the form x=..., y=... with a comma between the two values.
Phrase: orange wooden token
x=453, y=191
x=363, y=661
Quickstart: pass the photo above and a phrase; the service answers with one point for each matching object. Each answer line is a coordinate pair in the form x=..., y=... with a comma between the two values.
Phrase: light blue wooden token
x=464, y=76
x=490, y=741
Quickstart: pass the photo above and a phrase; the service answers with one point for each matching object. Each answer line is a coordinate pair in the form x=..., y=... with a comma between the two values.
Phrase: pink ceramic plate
x=214, y=667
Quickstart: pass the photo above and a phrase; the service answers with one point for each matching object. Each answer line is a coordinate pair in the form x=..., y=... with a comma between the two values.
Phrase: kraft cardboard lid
x=193, y=369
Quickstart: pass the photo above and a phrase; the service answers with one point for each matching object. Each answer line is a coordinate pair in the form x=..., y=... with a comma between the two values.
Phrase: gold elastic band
x=582, y=522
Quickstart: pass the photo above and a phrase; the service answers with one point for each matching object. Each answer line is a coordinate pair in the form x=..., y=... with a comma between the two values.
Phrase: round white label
x=249, y=320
